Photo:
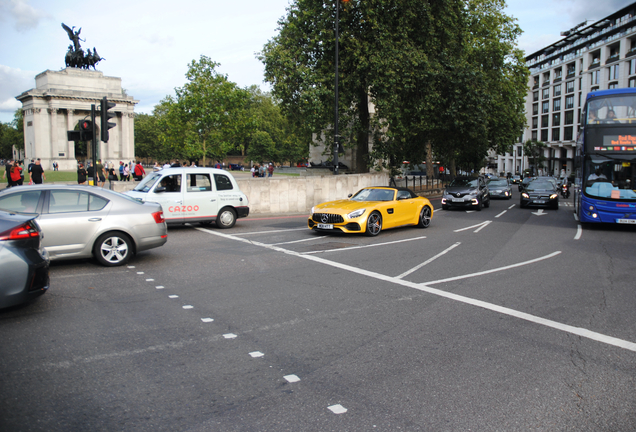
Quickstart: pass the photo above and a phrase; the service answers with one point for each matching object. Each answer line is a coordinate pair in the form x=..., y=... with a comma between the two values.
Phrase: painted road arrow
x=539, y=213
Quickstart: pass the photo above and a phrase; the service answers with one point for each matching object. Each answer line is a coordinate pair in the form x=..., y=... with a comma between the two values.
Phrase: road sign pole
x=94, y=145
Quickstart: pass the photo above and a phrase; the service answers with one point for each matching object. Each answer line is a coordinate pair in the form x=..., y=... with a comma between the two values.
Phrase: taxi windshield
x=147, y=183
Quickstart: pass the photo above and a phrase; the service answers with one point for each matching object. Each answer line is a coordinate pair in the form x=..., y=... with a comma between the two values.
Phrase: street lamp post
x=335, y=121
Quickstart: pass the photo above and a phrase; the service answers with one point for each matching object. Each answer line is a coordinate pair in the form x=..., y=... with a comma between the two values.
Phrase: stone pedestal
x=59, y=101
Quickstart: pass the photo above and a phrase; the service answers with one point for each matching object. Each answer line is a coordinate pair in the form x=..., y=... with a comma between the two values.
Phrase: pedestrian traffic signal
x=105, y=115
x=86, y=130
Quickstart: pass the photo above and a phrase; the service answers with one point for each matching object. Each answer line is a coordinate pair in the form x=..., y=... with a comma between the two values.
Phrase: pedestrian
x=157, y=167
x=16, y=174
x=81, y=174
x=139, y=171
x=126, y=173
x=111, y=174
x=7, y=172
x=193, y=165
x=90, y=170
x=36, y=175
x=253, y=170
x=176, y=164
x=121, y=171
x=99, y=173
x=270, y=170
x=30, y=166
x=261, y=171
x=166, y=165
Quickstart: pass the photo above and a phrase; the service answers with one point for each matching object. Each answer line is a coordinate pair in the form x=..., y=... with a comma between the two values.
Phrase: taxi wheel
x=374, y=224
x=226, y=218
x=425, y=217
x=113, y=249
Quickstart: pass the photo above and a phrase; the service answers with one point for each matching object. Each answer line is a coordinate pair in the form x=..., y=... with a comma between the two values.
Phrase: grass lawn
x=51, y=176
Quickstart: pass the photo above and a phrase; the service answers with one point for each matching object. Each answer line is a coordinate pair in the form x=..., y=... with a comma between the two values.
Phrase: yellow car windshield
x=374, y=195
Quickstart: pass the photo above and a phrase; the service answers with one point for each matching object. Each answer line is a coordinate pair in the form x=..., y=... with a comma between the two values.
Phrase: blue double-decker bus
x=605, y=179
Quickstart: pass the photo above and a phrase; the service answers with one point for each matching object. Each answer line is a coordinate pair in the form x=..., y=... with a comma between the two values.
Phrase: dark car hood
x=460, y=189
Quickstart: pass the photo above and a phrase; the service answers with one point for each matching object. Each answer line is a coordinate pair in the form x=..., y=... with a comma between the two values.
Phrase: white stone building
x=59, y=101
x=590, y=57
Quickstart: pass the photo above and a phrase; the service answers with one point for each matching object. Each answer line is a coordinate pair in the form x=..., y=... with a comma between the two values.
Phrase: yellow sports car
x=371, y=210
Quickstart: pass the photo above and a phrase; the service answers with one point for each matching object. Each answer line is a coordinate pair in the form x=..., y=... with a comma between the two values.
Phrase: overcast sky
x=149, y=43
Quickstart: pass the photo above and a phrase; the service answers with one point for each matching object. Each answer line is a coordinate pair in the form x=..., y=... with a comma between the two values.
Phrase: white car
x=203, y=195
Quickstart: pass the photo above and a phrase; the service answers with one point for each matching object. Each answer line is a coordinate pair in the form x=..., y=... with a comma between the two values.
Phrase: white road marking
x=436, y=210
x=298, y=241
x=272, y=231
x=338, y=409
x=159, y=287
x=579, y=231
x=131, y=266
x=256, y=354
x=532, y=261
x=428, y=261
x=471, y=211
x=599, y=337
x=173, y=296
x=483, y=226
x=150, y=280
x=362, y=246
x=511, y=206
x=207, y=320
x=291, y=378
x=539, y=213
x=576, y=217
x=188, y=307
x=479, y=226
x=501, y=214
x=229, y=336
x=140, y=273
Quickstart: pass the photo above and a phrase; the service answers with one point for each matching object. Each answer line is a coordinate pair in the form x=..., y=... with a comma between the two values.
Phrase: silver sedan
x=80, y=221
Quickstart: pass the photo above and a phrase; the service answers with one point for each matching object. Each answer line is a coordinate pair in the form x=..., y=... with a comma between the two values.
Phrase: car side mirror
x=160, y=189
x=349, y=196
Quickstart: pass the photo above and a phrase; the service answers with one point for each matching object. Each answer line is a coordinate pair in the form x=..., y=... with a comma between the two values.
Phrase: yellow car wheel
x=425, y=217
x=374, y=224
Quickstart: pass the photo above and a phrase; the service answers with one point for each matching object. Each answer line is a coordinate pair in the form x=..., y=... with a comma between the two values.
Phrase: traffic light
x=105, y=115
x=86, y=130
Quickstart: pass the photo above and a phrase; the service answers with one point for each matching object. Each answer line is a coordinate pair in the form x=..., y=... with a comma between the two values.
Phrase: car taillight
x=159, y=217
x=24, y=231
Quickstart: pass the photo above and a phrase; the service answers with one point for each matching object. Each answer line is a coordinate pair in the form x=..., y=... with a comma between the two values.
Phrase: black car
x=236, y=167
x=499, y=187
x=525, y=182
x=24, y=264
x=515, y=179
x=466, y=192
x=540, y=192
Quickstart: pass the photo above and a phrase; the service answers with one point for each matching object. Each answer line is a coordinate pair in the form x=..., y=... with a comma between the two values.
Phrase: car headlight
x=356, y=213
x=312, y=210
x=553, y=196
x=525, y=195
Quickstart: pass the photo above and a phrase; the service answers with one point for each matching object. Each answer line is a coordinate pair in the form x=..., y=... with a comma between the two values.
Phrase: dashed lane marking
x=599, y=337
x=501, y=214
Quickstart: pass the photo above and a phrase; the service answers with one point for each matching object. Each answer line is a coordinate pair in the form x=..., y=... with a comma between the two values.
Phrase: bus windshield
x=610, y=178
x=611, y=110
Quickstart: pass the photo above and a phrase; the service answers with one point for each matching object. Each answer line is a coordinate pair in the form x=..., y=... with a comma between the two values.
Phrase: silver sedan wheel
x=113, y=249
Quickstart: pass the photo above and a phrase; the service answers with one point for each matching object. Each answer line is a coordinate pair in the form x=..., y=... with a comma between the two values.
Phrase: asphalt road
x=506, y=319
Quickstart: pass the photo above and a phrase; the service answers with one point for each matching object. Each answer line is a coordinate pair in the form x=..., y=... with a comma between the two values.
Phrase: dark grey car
x=466, y=192
x=499, y=188
x=24, y=264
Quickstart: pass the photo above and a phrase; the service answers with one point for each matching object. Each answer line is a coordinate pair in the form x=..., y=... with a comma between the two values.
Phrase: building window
x=535, y=96
x=569, y=102
x=594, y=78
x=613, y=72
x=567, y=134
x=545, y=107
x=544, y=135
x=546, y=78
x=595, y=88
x=544, y=121
x=557, y=105
x=612, y=85
x=580, y=99
x=631, y=67
x=557, y=90
x=569, y=117
x=534, y=135
x=569, y=87
x=631, y=82
x=535, y=122
x=556, y=134
x=535, y=109
x=536, y=82
x=546, y=93
x=556, y=119
x=557, y=74
x=571, y=70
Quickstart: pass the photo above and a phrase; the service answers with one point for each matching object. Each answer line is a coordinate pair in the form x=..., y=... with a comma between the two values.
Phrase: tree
x=147, y=142
x=533, y=150
x=444, y=72
x=12, y=135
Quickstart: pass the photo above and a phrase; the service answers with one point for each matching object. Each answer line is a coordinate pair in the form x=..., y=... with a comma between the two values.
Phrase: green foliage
x=12, y=134
x=446, y=72
x=533, y=150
